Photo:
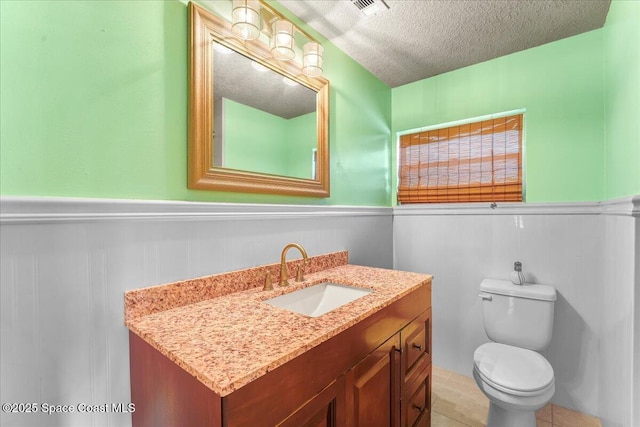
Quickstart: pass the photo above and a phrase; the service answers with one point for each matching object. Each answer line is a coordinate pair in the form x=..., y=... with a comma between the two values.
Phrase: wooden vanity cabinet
x=371, y=374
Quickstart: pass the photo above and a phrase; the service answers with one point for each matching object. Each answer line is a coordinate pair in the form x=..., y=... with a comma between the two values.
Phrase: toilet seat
x=513, y=370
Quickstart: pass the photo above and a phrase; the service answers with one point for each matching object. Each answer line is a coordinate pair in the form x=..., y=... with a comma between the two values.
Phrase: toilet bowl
x=517, y=382
x=509, y=371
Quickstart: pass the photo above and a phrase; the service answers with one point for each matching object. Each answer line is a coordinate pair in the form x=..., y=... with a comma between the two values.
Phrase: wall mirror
x=256, y=124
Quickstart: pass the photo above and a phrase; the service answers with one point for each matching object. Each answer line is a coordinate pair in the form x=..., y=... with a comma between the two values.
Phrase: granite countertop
x=230, y=340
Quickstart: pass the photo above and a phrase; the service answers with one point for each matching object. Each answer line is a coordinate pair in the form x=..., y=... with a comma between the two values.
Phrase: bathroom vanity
x=234, y=360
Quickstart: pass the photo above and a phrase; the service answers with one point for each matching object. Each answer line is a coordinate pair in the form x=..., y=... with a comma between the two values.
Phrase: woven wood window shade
x=474, y=162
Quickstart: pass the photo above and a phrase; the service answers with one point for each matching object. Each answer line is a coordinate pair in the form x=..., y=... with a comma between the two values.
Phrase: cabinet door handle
x=417, y=346
x=417, y=407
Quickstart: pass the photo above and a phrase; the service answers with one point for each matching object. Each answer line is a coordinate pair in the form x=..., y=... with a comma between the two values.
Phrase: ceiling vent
x=371, y=7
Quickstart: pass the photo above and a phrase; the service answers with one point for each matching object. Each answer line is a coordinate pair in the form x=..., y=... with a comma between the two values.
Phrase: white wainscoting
x=587, y=251
x=66, y=263
x=617, y=295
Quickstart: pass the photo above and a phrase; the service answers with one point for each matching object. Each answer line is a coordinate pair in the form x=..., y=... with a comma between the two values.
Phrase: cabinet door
x=324, y=410
x=373, y=388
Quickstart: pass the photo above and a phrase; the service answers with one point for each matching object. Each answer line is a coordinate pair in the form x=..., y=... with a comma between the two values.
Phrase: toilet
x=518, y=380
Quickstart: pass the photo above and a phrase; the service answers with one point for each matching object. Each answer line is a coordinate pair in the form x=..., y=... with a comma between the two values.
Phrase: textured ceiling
x=416, y=39
x=235, y=78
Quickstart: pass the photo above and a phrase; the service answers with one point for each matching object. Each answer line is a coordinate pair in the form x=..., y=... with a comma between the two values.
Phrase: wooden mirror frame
x=205, y=27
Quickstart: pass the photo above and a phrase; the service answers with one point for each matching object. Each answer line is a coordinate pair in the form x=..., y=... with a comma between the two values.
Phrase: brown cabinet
x=375, y=373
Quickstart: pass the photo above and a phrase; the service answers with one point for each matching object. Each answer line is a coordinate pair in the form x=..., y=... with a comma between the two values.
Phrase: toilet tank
x=518, y=315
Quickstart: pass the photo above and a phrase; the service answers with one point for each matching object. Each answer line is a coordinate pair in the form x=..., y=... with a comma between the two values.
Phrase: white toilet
x=509, y=371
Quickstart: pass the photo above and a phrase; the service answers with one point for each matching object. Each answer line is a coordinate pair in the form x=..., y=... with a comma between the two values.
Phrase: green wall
x=258, y=147
x=94, y=100
x=271, y=144
x=94, y=104
x=622, y=99
x=560, y=86
x=299, y=146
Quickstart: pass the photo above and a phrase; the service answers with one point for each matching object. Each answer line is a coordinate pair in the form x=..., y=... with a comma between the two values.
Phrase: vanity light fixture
x=283, y=40
x=312, y=59
x=254, y=19
x=246, y=19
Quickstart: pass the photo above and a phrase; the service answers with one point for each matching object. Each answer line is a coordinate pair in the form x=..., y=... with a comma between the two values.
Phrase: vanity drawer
x=416, y=403
x=416, y=345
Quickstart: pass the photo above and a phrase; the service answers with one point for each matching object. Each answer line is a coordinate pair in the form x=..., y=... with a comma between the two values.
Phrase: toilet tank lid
x=528, y=290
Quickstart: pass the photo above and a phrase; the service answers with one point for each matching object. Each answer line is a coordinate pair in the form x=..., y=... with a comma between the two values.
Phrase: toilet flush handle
x=485, y=297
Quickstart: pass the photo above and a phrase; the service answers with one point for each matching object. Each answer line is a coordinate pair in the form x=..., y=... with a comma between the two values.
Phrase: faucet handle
x=268, y=286
x=300, y=274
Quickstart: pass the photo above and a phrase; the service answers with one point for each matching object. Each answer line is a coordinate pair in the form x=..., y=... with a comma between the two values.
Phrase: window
x=472, y=162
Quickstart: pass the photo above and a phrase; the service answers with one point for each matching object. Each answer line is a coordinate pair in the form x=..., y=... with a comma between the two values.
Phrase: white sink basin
x=318, y=299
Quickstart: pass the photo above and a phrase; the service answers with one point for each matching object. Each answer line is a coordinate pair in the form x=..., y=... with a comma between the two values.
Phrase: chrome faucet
x=283, y=264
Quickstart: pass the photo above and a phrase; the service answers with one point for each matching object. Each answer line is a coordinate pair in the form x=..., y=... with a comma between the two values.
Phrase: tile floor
x=456, y=401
